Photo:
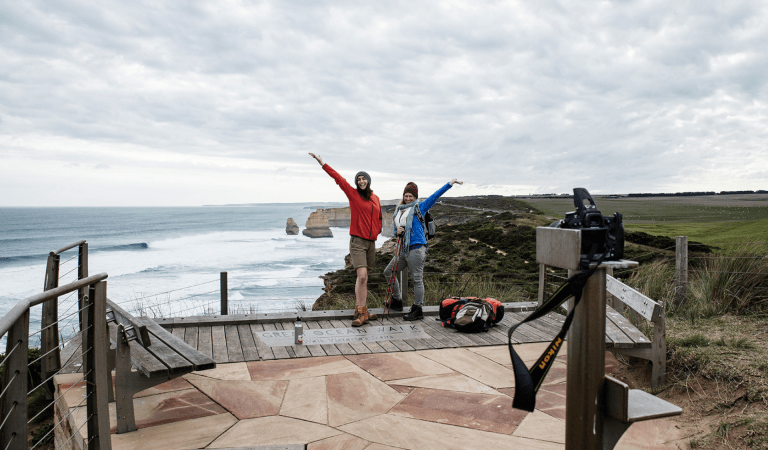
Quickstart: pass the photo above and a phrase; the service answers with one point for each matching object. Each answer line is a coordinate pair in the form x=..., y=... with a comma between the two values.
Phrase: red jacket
x=365, y=221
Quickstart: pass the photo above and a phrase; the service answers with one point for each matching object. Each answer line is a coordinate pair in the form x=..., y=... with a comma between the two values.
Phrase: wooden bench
x=157, y=355
x=624, y=338
x=621, y=336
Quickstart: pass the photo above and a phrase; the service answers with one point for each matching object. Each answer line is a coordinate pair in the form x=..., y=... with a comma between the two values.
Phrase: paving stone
x=187, y=434
x=340, y=442
x=306, y=399
x=272, y=430
x=541, y=427
x=652, y=435
x=233, y=371
x=394, y=366
x=169, y=407
x=244, y=399
x=291, y=369
x=356, y=396
x=449, y=382
x=474, y=366
x=485, y=412
x=406, y=433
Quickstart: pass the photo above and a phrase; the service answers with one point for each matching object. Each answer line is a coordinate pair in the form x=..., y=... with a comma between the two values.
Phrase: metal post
x=14, y=402
x=98, y=379
x=681, y=269
x=49, y=336
x=82, y=272
x=586, y=368
x=542, y=282
x=224, y=298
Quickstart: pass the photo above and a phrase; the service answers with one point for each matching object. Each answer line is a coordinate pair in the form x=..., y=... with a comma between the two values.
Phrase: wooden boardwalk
x=236, y=338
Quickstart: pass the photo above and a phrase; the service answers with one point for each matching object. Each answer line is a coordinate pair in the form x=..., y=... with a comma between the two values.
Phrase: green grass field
x=720, y=220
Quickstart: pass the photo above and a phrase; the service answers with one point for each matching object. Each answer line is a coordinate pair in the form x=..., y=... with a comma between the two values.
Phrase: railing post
x=681, y=269
x=49, y=324
x=224, y=297
x=542, y=282
x=82, y=272
x=586, y=367
x=14, y=402
x=95, y=361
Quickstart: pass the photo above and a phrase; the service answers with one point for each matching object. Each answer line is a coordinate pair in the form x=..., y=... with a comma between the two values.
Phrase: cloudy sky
x=190, y=103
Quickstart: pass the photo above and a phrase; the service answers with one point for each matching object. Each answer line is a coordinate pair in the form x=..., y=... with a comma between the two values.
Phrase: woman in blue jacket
x=413, y=249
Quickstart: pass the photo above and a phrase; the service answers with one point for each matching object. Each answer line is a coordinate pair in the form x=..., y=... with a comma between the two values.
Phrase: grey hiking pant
x=415, y=264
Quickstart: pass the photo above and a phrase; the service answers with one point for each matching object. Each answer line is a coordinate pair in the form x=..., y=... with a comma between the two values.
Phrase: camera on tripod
x=602, y=237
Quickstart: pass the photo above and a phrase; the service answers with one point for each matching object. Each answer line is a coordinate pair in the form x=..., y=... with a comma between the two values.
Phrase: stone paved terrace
x=455, y=397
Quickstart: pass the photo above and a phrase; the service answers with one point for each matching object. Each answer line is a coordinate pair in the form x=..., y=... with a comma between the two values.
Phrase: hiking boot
x=415, y=314
x=396, y=304
x=361, y=316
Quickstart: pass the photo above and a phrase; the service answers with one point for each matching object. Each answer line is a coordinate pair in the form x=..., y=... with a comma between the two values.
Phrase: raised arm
x=319, y=159
x=430, y=201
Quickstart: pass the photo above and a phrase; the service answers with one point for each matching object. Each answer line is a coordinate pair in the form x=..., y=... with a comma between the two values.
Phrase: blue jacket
x=414, y=231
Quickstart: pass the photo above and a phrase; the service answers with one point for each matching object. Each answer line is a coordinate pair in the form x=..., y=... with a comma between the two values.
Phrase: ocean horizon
x=166, y=261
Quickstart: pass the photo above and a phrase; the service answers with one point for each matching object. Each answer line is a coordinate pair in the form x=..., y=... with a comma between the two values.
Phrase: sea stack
x=291, y=227
x=317, y=226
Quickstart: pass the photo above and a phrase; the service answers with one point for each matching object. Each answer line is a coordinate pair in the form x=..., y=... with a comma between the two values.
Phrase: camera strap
x=528, y=381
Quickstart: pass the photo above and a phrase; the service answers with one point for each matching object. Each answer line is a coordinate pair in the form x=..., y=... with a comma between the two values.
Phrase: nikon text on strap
x=527, y=382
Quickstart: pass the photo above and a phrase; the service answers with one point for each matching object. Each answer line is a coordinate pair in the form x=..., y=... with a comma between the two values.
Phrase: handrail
x=64, y=249
x=20, y=308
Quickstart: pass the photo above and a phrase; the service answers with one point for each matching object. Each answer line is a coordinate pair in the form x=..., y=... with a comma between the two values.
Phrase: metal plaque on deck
x=374, y=333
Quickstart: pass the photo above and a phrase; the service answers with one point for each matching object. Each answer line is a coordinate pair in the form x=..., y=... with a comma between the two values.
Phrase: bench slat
x=644, y=306
x=197, y=359
x=614, y=334
x=144, y=361
x=639, y=339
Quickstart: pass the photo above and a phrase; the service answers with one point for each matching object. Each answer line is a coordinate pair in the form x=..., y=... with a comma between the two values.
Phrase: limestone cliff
x=337, y=217
x=291, y=227
x=317, y=226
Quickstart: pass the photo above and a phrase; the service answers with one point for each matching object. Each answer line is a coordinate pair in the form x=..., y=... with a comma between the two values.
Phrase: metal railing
x=19, y=373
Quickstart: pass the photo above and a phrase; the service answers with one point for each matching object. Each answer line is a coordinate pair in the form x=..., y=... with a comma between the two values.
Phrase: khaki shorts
x=362, y=252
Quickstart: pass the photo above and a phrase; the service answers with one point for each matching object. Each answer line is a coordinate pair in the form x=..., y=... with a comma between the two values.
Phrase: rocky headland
x=317, y=226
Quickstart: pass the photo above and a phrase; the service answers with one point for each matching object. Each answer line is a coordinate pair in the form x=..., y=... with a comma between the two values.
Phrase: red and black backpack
x=470, y=314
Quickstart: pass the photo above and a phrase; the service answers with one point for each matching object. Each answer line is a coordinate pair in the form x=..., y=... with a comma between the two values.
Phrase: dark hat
x=365, y=174
x=412, y=188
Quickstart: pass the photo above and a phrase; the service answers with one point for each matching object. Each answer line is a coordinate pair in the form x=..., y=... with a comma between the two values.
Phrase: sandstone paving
x=652, y=435
x=407, y=433
x=529, y=353
x=164, y=408
x=485, y=412
x=244, y=399
x=272, y=430
x=306, y=399
x=449, y=382
x=355, y=396
x=542, y=427
x=291, y=369
x=474, y=366
x=231, y=371
x=340, y=442
x=393, y=366
x=188, y=434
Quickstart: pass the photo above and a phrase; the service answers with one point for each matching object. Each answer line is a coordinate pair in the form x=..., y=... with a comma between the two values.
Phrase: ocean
x=166, y=261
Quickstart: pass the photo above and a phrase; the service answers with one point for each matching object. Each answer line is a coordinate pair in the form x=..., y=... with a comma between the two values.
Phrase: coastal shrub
x=472, y=285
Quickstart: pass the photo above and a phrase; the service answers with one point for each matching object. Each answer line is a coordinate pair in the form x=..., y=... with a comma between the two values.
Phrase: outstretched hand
x=317, y=157
x=454, y=181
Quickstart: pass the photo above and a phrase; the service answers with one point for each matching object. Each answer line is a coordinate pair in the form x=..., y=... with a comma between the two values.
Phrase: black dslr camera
x=602, y=237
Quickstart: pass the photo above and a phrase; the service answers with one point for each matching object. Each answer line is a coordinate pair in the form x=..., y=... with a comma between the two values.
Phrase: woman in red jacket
x=364, y=228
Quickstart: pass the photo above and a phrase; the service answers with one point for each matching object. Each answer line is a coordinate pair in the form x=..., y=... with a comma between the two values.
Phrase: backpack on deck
x=470, y=314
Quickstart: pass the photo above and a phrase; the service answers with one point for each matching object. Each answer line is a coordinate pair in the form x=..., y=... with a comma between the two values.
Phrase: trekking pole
x=390, y=284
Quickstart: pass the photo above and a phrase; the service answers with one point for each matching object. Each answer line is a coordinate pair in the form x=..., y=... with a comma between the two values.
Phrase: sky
x=155, y=103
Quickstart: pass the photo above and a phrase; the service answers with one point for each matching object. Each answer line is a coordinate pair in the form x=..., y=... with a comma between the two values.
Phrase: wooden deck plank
x=250, y=352
x=329, y=349
x=200, y=361
x=219, y=341
x=418, y=343
x=265, y=351
x=300, y=351
x=191, y=335
x=344, y=348
x=204, y=342
x=442, y=341
x=278, y=352
x=178, y=332
x=234, y=347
